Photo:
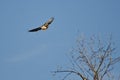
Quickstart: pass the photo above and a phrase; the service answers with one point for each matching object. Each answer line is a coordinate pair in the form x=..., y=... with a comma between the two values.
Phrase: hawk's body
x=44, y=26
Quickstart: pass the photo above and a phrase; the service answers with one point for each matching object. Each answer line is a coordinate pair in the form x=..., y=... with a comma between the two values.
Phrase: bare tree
x=91, y=59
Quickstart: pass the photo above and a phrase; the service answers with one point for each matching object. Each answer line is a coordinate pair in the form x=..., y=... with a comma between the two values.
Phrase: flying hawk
x=44, y=26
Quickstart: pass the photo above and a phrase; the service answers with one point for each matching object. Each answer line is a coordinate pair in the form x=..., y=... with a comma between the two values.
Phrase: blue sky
x=31, y=56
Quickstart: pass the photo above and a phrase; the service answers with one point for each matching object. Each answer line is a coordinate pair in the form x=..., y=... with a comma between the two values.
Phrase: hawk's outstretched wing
x=44, y=26
x=34, y=30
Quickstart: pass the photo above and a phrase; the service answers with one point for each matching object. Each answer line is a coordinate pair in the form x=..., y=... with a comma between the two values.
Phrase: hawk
x=44, y=26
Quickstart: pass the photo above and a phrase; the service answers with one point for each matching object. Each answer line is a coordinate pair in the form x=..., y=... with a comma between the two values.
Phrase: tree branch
x=70, y=71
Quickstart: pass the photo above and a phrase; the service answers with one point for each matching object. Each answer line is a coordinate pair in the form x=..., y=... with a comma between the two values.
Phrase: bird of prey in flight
x=44, y=26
